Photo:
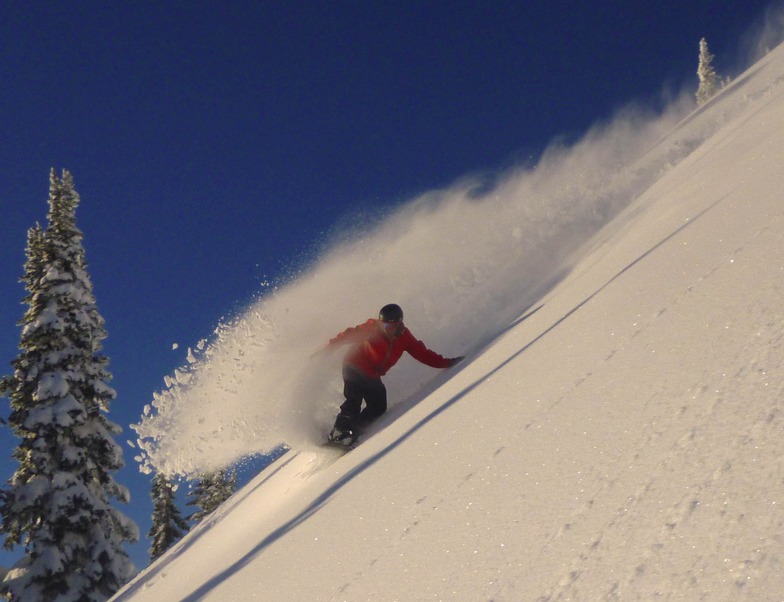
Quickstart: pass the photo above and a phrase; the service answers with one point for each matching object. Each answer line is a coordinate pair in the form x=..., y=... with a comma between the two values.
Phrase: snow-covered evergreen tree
x=168, y=526
x=211, y=491
x=58, y=502
x=709, y=79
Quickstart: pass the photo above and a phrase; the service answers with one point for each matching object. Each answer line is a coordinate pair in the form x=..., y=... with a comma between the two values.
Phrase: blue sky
x=216, y=145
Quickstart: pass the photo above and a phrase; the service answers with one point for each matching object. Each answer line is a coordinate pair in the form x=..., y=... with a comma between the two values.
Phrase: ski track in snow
x=682, y=439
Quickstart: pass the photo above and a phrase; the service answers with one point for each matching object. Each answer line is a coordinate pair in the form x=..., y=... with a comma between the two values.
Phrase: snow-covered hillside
x=617, y=434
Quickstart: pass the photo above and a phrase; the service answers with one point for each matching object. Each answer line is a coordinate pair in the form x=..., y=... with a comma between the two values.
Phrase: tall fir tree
x=58, y=502
x=211, y=491
x=709, y=79
x=168, y=526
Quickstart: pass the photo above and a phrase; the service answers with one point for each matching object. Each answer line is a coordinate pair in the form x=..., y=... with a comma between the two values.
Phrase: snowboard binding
x=344, y=432
x=347, y=438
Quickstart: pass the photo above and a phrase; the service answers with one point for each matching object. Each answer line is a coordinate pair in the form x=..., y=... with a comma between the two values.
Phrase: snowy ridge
x=622, y=442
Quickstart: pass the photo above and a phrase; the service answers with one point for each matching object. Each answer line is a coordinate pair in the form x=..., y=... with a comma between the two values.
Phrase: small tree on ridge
x=168, y=526
x=709, y=79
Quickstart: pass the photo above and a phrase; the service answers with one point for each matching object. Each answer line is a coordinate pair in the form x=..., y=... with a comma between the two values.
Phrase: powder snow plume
x=463, y=263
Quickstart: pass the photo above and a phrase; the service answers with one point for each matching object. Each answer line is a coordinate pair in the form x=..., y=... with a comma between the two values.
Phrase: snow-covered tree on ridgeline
x=58, y=502
x=709, y=79
x=168, y=526
x=211, y=491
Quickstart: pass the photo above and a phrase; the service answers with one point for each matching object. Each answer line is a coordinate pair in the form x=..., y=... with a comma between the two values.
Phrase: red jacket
x=373, y=353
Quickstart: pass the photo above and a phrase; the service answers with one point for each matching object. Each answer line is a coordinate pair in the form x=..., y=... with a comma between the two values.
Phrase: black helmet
x=391, y=313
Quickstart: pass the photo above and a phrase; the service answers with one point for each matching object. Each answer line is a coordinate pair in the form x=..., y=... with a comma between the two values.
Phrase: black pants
x=356, y=388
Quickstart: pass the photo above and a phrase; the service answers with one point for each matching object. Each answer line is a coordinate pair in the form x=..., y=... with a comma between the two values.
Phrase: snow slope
x=623, y=439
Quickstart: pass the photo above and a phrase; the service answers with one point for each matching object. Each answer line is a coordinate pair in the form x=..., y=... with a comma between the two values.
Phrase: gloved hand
x=456, y=360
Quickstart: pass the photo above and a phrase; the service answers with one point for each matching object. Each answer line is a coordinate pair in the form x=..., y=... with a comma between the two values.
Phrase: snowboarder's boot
x=343, y=431
x=346, y=438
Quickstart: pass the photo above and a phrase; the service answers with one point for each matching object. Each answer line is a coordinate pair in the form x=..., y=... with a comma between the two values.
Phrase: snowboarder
x=376, y=346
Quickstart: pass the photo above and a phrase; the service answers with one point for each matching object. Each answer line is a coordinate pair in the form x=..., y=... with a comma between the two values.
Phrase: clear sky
x=216, y=145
